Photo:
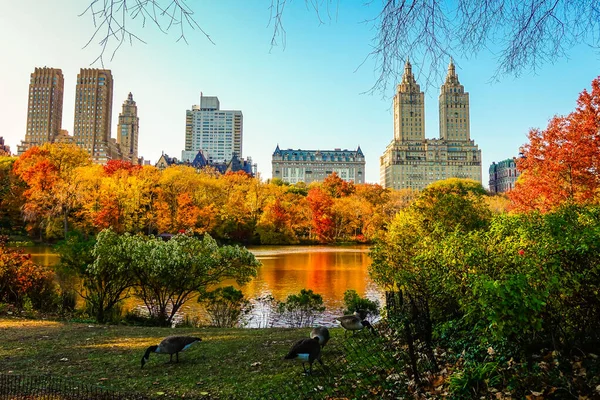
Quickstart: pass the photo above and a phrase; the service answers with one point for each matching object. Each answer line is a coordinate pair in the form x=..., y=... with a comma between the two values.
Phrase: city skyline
x=307, y=95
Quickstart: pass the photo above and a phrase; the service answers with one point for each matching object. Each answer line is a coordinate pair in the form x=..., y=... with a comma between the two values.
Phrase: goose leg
x=304, y=368
x=171, y=358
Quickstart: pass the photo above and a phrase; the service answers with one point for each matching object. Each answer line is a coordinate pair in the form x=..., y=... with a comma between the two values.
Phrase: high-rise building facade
x=503, y=176
x=127, y=130
x=308, y=166
x=217, y=133
x=93, y=114
x=411, y=160
x=45, y=107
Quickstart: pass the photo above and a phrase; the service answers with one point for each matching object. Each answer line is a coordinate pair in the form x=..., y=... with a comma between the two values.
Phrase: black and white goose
x=354, y=323
x=306, y=350
x=170, y=345
x=321, y=333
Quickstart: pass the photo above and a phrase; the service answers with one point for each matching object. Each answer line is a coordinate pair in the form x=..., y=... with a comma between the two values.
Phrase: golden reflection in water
x=328, y=271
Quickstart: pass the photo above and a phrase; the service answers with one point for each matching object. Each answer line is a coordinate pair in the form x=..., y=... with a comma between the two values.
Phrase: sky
x=308, y=94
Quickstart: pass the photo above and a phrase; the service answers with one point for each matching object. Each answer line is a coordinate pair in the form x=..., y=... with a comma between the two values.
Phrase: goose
x=362, y=314
x=170, y=345
x=306, y=350
x=354, y=323
x=321, y=333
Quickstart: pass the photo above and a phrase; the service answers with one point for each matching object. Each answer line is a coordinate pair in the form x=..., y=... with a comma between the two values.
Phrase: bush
x=24, y=282
x=226, y=306
x=355, y=303
x=300, y=310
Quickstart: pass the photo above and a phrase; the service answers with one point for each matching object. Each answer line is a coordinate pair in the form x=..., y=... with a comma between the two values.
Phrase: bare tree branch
x=522, y=34
x=112, y=19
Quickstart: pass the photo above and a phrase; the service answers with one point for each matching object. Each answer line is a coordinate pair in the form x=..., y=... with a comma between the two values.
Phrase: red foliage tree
x=322, y=215
x=561, y=164
x=113, y=166
x=20, y=277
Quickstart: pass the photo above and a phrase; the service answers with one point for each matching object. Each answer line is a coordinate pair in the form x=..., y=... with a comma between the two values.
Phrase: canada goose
x=362, y=314
x=306, y=350
x=321, y=333
x=354, y=323
x=171, y=345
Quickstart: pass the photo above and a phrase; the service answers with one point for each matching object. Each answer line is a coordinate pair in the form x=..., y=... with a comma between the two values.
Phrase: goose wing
x=303, y=346
x=173, y=344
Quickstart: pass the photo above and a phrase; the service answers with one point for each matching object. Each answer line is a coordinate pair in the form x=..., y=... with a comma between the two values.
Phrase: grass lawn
x=228, y=363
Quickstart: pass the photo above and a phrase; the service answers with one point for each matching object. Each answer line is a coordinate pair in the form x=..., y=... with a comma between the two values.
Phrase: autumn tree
x=125, y=198
x=322, y=215
x=52, y=194
x=275, y=225
x=560, y=164
x=238, y=213
x=173, y=183
x=21, y=279
x=11, y=197
x=337, y=187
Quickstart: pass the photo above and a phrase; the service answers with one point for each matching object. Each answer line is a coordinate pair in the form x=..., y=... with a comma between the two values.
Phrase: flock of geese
x=304, y=350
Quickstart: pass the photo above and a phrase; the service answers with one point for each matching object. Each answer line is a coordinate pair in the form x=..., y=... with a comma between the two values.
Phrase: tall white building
x=215, y=132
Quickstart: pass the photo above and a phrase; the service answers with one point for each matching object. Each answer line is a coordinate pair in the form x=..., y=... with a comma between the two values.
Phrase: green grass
x=228, y=363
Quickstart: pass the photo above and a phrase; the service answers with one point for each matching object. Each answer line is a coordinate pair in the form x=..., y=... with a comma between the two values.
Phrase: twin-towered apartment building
x=93, y=115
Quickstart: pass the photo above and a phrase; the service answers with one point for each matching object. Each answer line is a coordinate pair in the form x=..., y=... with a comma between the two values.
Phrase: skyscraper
x=128, y=130
x=410, y=160
x=217, y=133
x=45, y=106
x=93, y=113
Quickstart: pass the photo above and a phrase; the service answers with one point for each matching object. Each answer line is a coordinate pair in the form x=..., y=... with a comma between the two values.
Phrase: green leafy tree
x=402, y=261
x=170, y=273
x=75, y=255
x=108, y=279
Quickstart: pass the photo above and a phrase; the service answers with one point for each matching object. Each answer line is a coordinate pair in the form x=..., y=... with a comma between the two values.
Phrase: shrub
x=21, y=279
x=225, y=306
x=355, y=303
x=300, y=310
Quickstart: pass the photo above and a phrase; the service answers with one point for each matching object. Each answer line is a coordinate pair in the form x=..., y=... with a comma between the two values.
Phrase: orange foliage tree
x=561, y=164
x=51, y=195
x=321, y=205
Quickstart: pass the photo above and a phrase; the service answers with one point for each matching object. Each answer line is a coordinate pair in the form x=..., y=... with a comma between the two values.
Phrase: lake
x=327, y=270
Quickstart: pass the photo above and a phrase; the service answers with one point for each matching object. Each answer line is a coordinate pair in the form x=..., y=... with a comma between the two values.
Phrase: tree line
x=53, y=189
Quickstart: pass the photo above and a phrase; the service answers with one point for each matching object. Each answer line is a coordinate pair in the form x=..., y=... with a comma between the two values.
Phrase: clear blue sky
x=306, y=95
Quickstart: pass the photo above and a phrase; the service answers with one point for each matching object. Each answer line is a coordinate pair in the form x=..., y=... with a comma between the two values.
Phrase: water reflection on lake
x=329, y=271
